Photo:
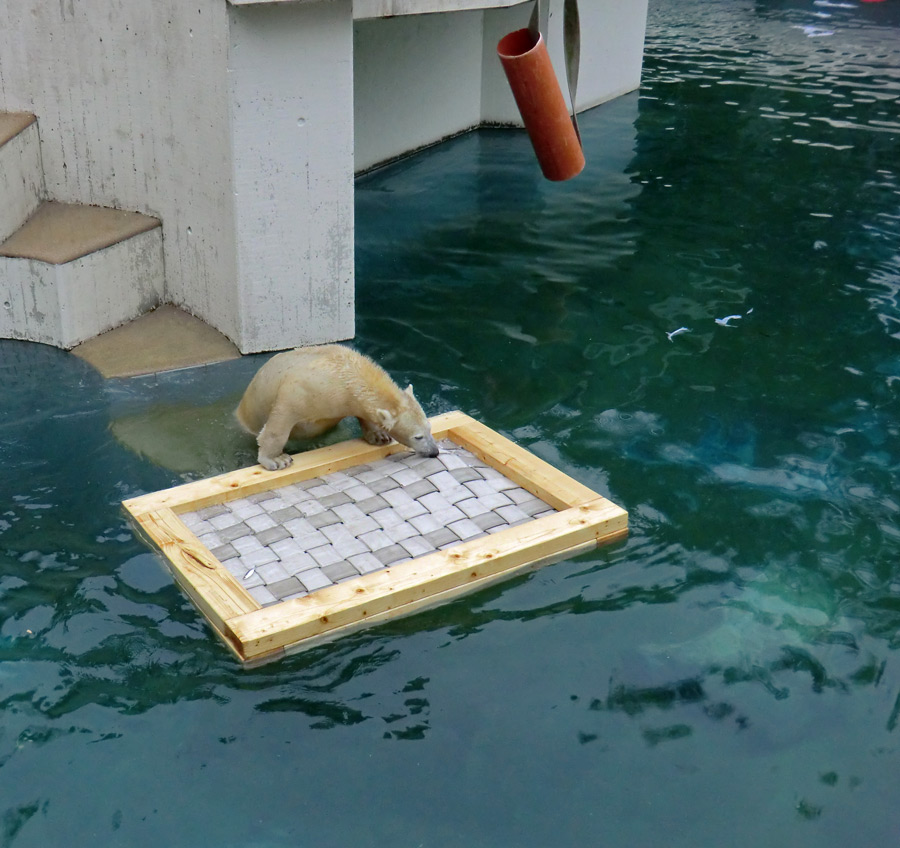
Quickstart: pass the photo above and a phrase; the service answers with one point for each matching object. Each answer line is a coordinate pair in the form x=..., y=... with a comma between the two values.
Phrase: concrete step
x=165, y=339
x=21, y=171
x=72, y=272
x=62, y=232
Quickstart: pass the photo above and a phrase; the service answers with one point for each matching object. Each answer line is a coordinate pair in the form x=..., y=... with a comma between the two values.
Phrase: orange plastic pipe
x=539, y=98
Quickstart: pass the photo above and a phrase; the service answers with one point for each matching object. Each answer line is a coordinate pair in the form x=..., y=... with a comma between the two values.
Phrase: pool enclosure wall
x=238, y=127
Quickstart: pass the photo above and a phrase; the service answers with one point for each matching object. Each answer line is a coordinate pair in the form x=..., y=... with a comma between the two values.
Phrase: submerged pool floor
x=726, y=676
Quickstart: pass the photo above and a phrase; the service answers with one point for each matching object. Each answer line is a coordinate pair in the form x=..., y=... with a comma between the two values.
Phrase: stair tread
x=162, y=340
x=61, y=232
x=12, y=123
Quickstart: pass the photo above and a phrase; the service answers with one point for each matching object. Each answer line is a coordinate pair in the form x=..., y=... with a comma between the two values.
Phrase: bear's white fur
x=304, y=392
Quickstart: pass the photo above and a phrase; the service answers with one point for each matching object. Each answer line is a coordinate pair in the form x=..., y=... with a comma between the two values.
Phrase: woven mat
x=291, y=541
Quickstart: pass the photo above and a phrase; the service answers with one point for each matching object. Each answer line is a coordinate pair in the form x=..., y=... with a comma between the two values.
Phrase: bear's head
x=409, y=425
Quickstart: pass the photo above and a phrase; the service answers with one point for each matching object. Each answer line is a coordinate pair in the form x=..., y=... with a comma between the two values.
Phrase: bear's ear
x=384, y=419
x=409, y=390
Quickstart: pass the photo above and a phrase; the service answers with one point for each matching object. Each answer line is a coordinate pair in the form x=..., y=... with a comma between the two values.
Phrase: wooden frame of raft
x=255, y=634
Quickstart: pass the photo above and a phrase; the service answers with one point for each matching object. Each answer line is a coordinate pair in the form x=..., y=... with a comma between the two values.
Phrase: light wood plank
x=62, y=232
x=244, y=482
x=12, y=123
x=307, y=464
x=521, y=466
x=443, y=424
x=286, y=623
x=208, y=583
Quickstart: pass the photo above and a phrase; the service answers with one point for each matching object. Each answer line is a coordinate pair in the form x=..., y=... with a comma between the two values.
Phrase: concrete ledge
x=257, y=192
x=162, y=340
x=61, y=232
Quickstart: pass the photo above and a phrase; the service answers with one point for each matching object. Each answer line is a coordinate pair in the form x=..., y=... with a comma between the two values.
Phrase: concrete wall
x=234, y=126
x=21, y=177
x=418, y=80
x=422, y=78
x=132, y=105
x=240, y=125
x=612, y=51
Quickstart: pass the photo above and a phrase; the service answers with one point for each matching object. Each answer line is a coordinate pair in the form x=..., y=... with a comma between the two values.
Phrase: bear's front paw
x=275, y=463
x=376, y=436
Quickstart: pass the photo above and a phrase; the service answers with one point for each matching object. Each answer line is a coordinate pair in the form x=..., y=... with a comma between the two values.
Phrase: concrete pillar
x=290, y=72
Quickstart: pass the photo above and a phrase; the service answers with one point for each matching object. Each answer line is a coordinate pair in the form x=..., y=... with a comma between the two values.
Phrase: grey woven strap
x=540, y=16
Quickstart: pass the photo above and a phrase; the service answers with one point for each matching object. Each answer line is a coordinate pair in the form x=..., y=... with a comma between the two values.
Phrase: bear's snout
x=425, y=445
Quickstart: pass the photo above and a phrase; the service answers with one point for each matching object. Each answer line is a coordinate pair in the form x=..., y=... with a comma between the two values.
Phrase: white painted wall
x=389, y=8
x=179, y=110
x=612, y=48
x=422, y=78
x=417, y=81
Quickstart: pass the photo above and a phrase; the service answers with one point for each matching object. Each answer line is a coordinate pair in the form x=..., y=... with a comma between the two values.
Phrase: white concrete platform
x=67, y=271
x=73, y=272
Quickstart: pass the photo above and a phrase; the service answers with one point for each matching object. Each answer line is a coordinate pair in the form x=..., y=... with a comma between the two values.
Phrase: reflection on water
x=726, y=676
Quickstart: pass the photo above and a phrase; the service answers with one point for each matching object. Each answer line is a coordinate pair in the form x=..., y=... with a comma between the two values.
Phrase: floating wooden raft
x=351, y=534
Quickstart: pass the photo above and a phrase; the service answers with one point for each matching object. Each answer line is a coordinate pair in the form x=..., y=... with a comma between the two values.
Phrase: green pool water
x=727, y=676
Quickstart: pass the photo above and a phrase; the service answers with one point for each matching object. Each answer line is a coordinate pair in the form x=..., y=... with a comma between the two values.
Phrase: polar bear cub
x=304, y=392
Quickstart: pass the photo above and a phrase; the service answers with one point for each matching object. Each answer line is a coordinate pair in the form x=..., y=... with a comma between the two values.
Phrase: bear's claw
x=377, y=437
x=275, y=463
